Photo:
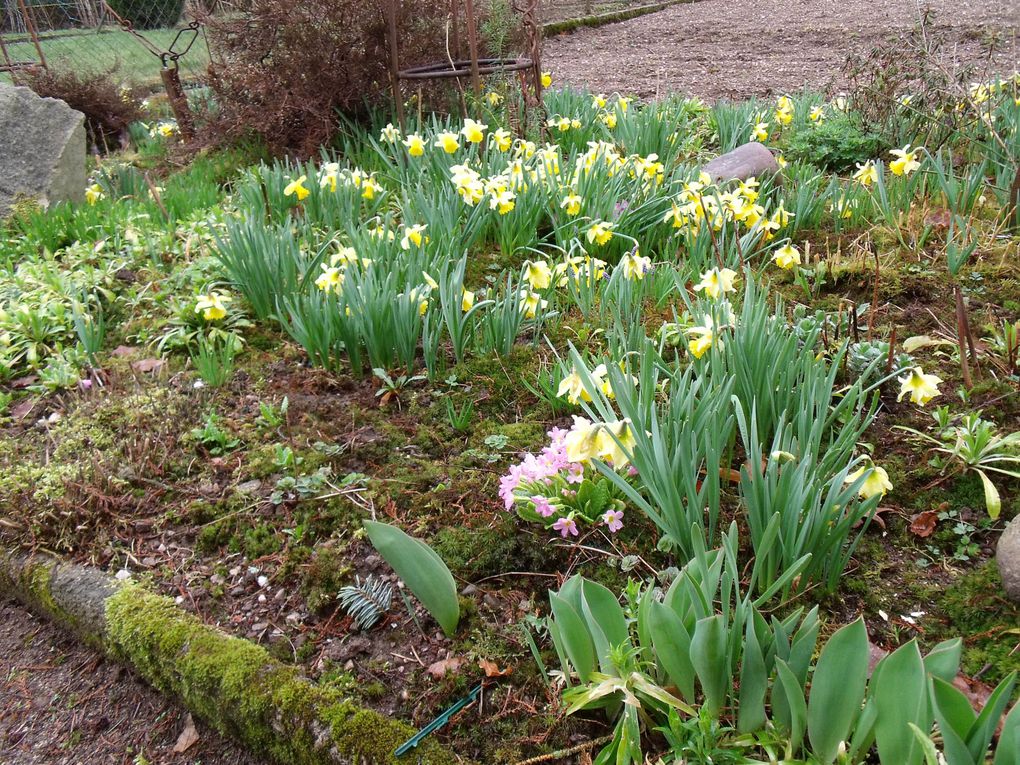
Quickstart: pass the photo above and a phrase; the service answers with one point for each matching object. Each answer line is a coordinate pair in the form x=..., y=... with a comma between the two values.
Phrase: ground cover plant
x=653, y=455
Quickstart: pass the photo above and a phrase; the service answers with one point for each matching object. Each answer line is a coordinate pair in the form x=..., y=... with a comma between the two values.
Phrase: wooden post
x=391, y=11
x=30, y=26
x=476, y=79
x=178, y=101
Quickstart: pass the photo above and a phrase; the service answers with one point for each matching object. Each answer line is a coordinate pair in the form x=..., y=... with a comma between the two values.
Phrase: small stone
x=1007, y=555
x=751, y=159
x=249, y=487
x=259, y=627
x=469, y=590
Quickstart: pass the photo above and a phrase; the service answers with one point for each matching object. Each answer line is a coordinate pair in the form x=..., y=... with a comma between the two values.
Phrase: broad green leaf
x=574, y=634
x=900, y=693
x=955, y=717
x=993, y=503
x=837, y=689
x=754, y=682
x=797, y=718
x=605, y=609
x=1008, y=751
x=708, y=654
x=943, y=661
x=422, y=570
x=931, y=755
x=984, y=727
x=672, y=647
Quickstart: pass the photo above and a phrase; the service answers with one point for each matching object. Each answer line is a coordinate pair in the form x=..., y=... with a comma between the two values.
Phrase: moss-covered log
x=233, y=684
x=612, y=17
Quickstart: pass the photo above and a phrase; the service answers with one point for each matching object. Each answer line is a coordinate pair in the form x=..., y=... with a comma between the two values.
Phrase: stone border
x=231, y=683
x=612, y=17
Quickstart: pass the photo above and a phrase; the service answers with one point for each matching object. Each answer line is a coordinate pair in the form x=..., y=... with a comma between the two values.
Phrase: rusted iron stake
x=178, y=101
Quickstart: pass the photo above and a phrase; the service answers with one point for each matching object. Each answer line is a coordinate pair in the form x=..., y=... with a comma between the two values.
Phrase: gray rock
x=751, y=159
x=42, y=149
x=1007, y=555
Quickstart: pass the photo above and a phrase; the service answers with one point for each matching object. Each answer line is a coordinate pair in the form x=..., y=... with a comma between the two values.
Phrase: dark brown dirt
x=64, y=704
x=717, y=49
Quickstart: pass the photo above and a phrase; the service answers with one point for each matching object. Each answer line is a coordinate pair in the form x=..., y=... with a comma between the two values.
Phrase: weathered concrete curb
x=233, y=684
x=600, y=19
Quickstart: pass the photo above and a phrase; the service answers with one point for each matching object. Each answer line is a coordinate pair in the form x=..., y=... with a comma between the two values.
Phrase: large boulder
x=1007, y=555
x=42, y=149
x=751, y=159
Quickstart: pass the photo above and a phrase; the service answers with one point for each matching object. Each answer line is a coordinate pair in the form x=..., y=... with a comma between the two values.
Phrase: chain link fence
x=118, y=38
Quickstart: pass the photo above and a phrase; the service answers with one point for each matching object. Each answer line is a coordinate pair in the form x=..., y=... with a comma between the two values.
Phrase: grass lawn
x=89, y=50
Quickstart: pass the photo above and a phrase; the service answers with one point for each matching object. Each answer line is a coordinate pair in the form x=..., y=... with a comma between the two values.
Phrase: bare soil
x=718, y=49
x=64, y=704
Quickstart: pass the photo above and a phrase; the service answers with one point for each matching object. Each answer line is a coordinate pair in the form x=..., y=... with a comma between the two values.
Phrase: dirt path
x=742, y=48
x=64, y=704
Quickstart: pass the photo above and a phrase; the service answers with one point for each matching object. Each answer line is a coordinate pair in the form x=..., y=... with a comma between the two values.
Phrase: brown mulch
x=718, y=49
x=64, y=704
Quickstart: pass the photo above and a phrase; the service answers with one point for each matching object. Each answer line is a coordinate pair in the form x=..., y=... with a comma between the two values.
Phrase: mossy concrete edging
x=231, y=683
x=599, y=19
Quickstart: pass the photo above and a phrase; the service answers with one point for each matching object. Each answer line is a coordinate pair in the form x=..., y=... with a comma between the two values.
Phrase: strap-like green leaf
x=900, y=692
x=796, y=705
x=708, y=654
x=672, y=647
x=837, y=689
x=422, y=570
x=573, y=632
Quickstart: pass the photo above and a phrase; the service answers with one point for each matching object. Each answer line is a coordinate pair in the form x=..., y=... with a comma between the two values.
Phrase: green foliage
x=422, y=570
x=838, y=144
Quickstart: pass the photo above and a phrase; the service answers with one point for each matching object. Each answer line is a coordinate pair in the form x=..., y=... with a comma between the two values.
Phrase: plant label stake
x=439, y=722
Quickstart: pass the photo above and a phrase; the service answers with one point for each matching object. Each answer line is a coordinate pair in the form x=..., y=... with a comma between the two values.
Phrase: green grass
x=100, y=51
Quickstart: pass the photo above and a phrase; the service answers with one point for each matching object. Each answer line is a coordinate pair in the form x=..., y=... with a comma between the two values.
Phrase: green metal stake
x=439, y=722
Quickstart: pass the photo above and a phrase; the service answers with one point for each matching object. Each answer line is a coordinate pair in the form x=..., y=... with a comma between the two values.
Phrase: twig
x=561, y=753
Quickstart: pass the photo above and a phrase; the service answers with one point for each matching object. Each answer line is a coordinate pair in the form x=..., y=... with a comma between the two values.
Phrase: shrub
x=283, y=70
x=838, y=144
x=149, y=14
x=107, y=107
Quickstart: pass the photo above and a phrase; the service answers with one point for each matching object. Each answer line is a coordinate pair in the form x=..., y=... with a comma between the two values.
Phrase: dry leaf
x=492, y=669
x=188, y=737
x=148, y=365
x=124, y=350
x=440, y=668
x=24, y=382
x=923, y=524
x=22, y=409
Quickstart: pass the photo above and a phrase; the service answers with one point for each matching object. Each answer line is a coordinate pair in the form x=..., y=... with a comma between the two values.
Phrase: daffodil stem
x=961, y=332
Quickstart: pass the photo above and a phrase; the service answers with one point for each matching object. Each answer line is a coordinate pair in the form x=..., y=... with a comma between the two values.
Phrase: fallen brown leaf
x=24, y=382
x=492, y=669
x=923, y=524
x=440, y=668
x=188, y=737
x=148, y=365
x=22, y=409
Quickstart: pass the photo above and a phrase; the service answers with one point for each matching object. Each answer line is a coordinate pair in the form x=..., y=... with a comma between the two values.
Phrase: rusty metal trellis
x=473, y=67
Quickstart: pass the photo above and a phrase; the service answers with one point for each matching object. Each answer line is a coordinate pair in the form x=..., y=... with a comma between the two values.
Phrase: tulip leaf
x=795, y=704
x=900, y=693
x=993, y=503
x=672, y=647
x=984, y=727
x=711, y=663
x=422, y=570
x=1008, y=751
x=577, y=643
x=754, y=681
x=943, y=661
x=955, y=717
x=837, y=689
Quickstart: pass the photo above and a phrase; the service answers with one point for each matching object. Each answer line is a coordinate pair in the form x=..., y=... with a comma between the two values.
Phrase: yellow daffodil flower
x=816, y=115
x=760, y=132
x=530, y=303
x=473, y=132
x=546, y=79
x=572, y=387
x=447, y=142
x=787, y=256
x=538, y=274
x=784, y=117
x=623, y=102
x=600, y=232
x=877, y=481
x=612, y=449
x=212, y=306
x=921, y=387
x=414, y=235
x=331, y=278
x=571, y=203
x=415, y=145
x=867, y=173
x=582, y=442
x=389, y=134
x=503, y=139
x=94, y=193
x=503, y=202
x=369, y=188
x=702, y=338
x=905, y=162
x=717, y=282
x=467, y=300
x=635, y=265
x=296, y=187
x=494, y=98
x=598, y=101
x=609, y=120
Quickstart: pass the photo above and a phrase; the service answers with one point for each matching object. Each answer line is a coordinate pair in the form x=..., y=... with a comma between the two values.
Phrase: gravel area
x=64, y=704
x=718, y=49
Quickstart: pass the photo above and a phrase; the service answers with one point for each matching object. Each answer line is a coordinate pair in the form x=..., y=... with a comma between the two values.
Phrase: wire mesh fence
x=118, y=38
